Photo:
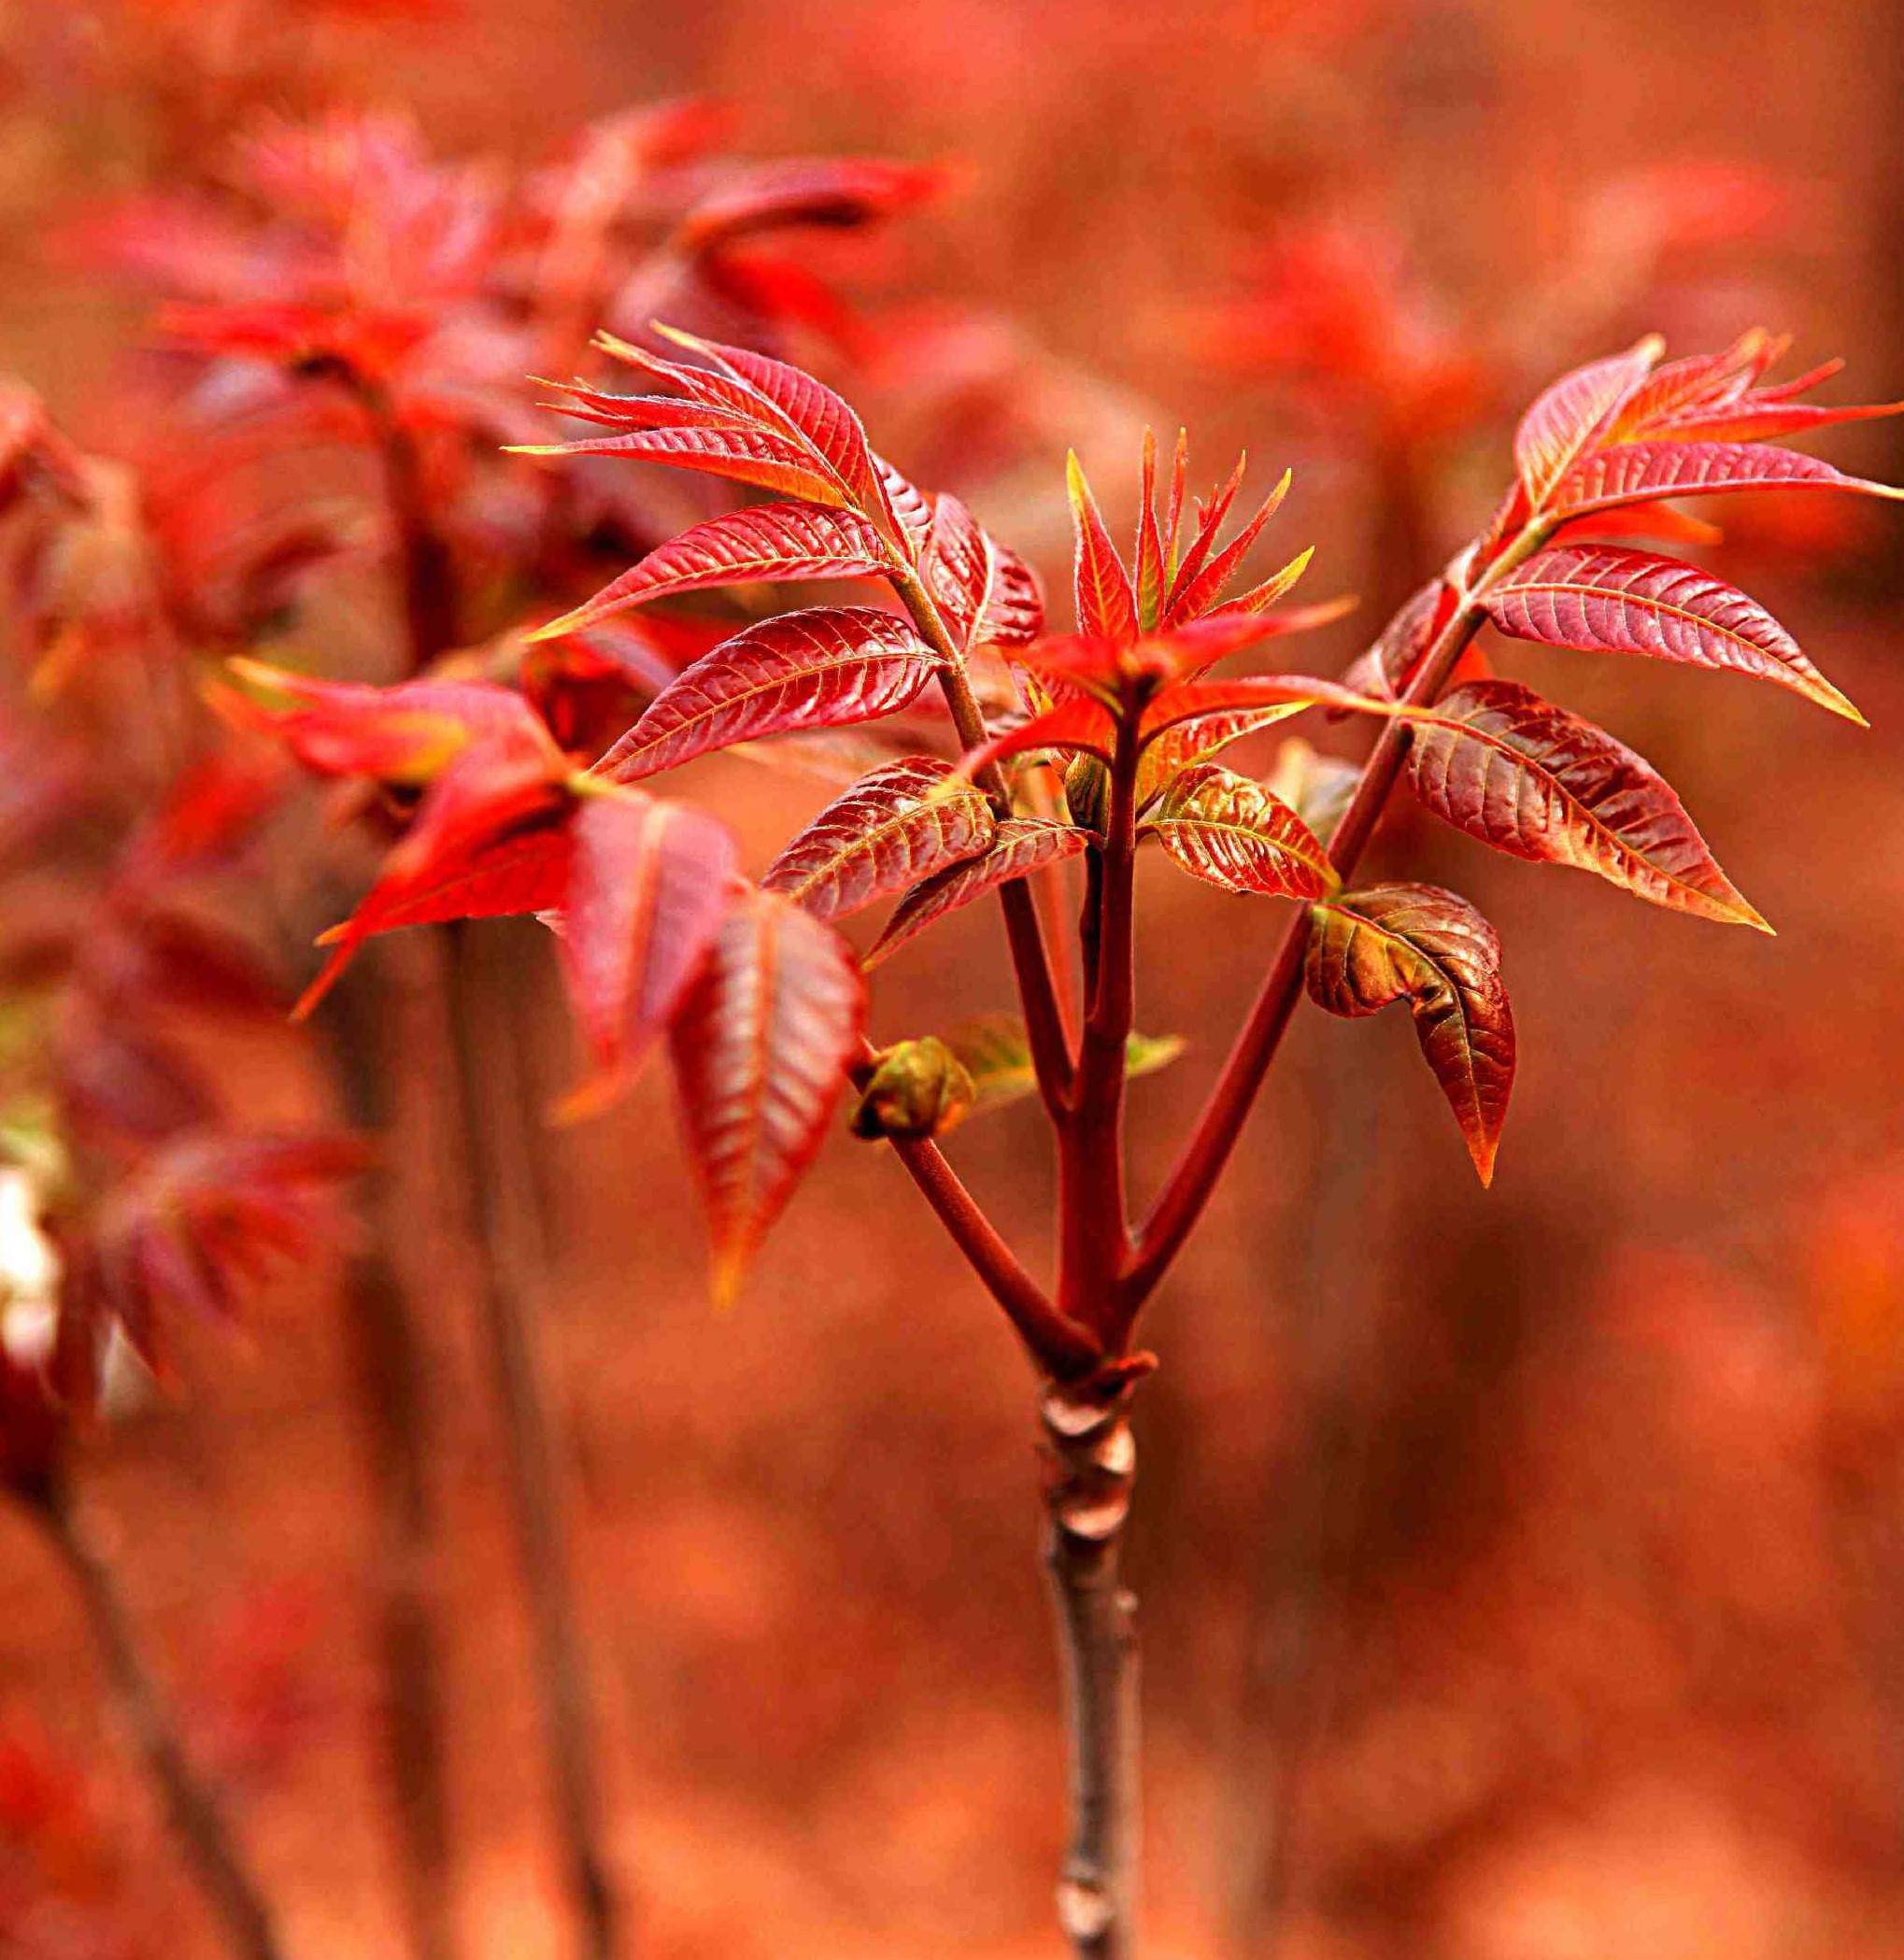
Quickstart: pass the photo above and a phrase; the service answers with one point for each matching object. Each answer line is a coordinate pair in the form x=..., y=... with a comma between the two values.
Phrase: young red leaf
x=1077, y=723
x=1604, y=599
x=987, y=594
x=759, y=457
x=764, y=543
x=404, y=734
x=760, y=1047
x=1496, y=760
x=1021, y=845
x=1231, y=832
x=810, y=413
x=1148, y=586
x=1636, y=473
x=489, y=839
x=838, y=192
x=1580, y=407
x=1106, y=606
x=1418, y=943
x=900, y=824
x=648, y=883
x=1210, y=519
x=825, y=668
x=1191, y=700
x=1201, y=739
x=1192, y=597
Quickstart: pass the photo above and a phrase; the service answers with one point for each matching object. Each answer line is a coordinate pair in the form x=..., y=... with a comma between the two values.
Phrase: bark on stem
x=532, y=1476
x=1093, y=1466
x=395, y=1408
x=191, y=1806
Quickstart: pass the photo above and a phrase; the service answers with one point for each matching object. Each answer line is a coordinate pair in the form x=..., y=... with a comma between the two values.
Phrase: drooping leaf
x=1076, y=725
x=1532, y=779
x=825, y=668
x=1106, y=606
x=647, y=887
x=1231, y=832
x=1420, y=943
x=1636, y=473
x=900, y=824
x=1563, y=423
x=490, y=840
x=764, y=543
x=761, y=1047
x=1602, y=598
x=1021, y=845
x=996, y=1052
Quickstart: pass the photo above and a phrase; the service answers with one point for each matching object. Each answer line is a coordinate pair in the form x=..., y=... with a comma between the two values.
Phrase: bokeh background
x=1523, y=1571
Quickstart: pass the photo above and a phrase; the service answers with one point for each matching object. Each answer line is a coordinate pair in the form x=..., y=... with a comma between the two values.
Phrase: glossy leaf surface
x=1602, y=598
x=647, y=885
x=1419, y=943
x=1532, y=779
x=1021, y=845
x=825, y=668
x=901, y=824
x=761, y=1047
x=1229, y=831
x=764, y=543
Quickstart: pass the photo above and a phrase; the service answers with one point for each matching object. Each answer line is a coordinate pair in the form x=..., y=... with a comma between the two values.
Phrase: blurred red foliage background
x=1523, y=1570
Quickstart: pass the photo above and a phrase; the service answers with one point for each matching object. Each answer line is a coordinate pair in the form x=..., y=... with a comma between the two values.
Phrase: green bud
x=919, y=1089
x=1088, y=793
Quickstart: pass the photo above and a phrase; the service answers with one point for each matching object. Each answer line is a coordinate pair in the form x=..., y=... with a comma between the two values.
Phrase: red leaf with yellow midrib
x=825, y=668
x=1229, y=831
x=1533, y=780
x=1419, y=943
x=761, y=1045
x=893, y=827
x=767, y=543
x=1021, y=845
x=1602, y=598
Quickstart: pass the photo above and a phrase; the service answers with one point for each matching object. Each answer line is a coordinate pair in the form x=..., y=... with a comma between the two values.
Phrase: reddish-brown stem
x=529, y=1435
x=1188, y=1187
x=426, y=577
x=398, y=1418
x=493, y=1180
x=191, y=1806
x=1094, y=1230
x=1092, y=1468
x=1030, y=957
x=1061, y=1346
